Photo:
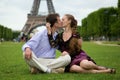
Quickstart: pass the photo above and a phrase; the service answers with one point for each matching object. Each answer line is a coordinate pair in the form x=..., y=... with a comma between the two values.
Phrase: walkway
x=100, y=43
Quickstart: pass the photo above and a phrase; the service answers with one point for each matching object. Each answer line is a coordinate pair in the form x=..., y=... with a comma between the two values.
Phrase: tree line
x=7, y=34
x=102, y=24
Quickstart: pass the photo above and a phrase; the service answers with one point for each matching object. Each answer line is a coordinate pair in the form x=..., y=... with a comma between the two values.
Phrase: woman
x=69, y=42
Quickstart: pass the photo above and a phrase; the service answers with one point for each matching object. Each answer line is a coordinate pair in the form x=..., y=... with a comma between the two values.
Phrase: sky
x=13, y=13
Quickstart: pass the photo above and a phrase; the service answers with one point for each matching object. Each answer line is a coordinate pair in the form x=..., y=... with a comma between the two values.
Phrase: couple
x=39, y=51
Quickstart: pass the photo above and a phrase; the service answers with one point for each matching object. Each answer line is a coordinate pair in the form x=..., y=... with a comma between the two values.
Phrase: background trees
x=102, y=24
x=7, y=34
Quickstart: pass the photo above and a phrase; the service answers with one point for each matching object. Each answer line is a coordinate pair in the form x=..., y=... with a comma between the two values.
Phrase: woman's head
x=69, y=20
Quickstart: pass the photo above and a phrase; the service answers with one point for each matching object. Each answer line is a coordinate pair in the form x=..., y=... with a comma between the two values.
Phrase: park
x=100, y=31
x=13, y=67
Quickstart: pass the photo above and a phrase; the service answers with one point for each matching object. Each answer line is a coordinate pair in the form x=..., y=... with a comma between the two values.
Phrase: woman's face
x=65, y=21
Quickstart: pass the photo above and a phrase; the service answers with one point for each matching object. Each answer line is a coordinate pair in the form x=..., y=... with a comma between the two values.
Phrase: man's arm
x=31, y=45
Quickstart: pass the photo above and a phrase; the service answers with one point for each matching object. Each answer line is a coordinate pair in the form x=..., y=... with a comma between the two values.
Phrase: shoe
x=113, y=71
x=53, y=71
x=34, y=70
x=58, y=70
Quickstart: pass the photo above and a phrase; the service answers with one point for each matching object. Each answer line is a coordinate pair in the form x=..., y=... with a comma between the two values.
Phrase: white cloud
x=13, y=13
x=80, y=9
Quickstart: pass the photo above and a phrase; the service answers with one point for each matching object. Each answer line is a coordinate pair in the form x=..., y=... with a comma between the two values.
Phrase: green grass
x=13, y=67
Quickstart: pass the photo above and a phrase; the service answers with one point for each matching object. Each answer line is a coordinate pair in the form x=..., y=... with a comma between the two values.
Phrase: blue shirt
x=39, y=44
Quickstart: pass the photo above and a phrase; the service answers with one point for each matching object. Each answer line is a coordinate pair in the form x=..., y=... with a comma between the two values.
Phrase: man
x=38, y=53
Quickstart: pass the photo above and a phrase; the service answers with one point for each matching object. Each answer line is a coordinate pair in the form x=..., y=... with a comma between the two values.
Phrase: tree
x=118, y=4
x=15, y=34
x=1, y=31
x=98, y=23
x=119, y=9
x=110, y=18
x=84, y=32
x=5, y=33
x=115, y=29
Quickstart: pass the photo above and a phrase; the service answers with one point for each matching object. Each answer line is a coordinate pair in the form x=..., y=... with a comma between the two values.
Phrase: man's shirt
x=39, y=44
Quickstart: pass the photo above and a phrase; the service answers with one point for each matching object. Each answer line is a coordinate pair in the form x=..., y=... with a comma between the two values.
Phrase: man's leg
x=61, y=61
x=34, y=62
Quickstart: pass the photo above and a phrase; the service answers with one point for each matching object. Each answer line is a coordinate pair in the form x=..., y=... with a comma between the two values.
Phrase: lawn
x=13, y=67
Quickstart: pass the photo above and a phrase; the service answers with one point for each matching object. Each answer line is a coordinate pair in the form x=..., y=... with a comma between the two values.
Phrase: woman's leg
x=90, y=65
x=78, y=69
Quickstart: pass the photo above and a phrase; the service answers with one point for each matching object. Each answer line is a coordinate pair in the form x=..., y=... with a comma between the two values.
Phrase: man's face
x=58, y=24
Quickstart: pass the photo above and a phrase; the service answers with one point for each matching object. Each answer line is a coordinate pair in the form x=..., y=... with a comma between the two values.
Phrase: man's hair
x=52, y=19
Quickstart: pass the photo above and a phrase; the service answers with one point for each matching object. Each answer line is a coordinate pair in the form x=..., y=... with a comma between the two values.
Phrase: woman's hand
x=64, y=53
x=48, y=28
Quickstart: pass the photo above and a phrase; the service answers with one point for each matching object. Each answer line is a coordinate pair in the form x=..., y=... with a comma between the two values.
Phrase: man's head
x=54, y=20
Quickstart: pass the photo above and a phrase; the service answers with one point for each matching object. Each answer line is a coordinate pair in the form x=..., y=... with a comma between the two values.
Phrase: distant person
x=70, y=41
x=38, y=53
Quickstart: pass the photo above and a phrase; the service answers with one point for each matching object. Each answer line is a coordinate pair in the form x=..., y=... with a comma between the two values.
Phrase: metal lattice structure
x=33, y=19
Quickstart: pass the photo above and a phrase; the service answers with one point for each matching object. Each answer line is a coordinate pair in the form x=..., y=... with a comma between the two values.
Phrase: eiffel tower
x=34, y=19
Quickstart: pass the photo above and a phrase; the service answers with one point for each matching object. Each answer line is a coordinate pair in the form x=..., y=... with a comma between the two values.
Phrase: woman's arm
x=53, y=42
x=80, y=42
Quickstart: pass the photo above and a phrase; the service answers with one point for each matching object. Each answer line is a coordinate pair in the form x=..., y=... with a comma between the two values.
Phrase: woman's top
x=65, y=45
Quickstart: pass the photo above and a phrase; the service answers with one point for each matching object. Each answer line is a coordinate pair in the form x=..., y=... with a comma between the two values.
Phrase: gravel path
x=100, y=43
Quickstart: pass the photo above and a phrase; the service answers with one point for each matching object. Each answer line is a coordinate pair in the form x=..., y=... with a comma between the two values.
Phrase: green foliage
x=7, y=33
x=13, y=66
x=119, y=4
x=115, y=28
x=84, y=29
x=1, y=31
x=98, y=23
x=16, y=34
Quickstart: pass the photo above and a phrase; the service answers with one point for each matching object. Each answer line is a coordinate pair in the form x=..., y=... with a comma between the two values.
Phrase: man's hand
x=48, y=28
x=64, y=53
x=28, y=53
